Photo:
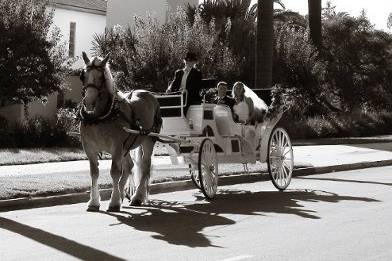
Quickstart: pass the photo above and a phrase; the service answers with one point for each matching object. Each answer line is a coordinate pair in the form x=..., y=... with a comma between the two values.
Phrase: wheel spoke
x=281, y=139
x=280, y=158
x=287, y=165
x=290, y=150
x=208, y=168
x=280, y=176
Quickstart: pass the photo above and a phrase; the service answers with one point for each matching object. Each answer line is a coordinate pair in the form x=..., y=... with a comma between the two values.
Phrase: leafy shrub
x=354, y=124
x=148, y=57
x=361, y=78
x=42, y=132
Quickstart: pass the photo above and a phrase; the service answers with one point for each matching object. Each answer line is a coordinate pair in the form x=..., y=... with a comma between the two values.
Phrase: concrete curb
x=156, y=188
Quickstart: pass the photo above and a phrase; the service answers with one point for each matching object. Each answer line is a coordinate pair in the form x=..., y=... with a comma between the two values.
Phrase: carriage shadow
x=190, y=223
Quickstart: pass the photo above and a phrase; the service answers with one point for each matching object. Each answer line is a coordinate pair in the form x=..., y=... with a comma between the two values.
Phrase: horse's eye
x=81, y=76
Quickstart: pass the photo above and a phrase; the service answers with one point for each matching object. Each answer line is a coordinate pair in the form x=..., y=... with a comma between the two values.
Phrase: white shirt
x=184, y=78
x=242, y=111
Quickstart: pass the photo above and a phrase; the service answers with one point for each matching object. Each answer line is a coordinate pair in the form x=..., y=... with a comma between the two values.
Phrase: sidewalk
x=309, y=159
x=304, y=156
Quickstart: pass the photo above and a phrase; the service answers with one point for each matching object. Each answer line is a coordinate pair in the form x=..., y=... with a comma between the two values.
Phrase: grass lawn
x=42, y=155
x=39, y=155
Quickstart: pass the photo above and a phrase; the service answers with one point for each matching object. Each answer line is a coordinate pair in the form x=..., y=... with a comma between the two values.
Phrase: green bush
x=148, y=57
x=42, y=132
x=355, y=124
x=359, y=62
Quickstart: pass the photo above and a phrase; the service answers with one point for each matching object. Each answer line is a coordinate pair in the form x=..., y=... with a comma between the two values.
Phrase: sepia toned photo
x=222, y=130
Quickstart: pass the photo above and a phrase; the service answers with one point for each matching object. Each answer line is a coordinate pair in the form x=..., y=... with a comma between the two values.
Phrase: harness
x=111, y=108
x=112, y=111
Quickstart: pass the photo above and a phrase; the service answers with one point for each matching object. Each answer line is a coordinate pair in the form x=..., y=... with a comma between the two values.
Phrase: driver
x=188, y=78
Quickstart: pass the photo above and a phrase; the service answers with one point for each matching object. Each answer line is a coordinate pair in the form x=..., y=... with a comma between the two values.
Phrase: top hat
x=190, y=56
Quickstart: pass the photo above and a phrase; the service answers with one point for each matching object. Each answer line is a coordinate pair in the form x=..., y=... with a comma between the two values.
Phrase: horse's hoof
x=136, y=202
x=93, y=209
x=114, y=209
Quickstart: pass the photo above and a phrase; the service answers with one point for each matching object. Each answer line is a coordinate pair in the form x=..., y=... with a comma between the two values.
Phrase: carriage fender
x=264, y=139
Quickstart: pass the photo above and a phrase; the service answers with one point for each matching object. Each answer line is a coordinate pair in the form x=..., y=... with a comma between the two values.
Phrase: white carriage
x=208, y=135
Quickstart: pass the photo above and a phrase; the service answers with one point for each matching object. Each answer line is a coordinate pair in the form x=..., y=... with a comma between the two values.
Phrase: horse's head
x=97, y=85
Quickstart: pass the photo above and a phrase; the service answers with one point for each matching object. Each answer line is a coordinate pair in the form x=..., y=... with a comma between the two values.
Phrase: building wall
x=87, y=24
x=45, y=110
x=12, y=113
x=122, y=11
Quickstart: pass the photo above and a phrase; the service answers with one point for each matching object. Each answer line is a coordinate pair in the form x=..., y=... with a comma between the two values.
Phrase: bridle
x=100, y=89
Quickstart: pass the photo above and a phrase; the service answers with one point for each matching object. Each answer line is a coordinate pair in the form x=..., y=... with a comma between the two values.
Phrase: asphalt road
x=335, y=216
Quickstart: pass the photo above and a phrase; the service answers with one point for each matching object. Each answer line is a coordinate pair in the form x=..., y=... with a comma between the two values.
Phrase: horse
x=104, y=112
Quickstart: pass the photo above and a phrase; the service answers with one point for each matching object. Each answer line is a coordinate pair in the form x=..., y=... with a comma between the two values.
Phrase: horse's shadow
x=185, y=223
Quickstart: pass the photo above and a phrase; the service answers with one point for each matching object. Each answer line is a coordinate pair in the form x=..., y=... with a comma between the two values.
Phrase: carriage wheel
x=194, y=176
x=208, y=168
x=280, y=158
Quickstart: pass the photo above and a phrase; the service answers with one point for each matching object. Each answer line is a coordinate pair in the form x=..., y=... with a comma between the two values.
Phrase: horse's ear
x=105, y=60
x=85, y=58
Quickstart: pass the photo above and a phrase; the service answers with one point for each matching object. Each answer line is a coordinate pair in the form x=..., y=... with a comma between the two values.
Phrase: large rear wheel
x=208, y=168
x=280, y=159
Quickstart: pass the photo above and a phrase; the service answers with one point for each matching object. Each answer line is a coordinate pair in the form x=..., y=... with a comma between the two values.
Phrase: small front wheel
x=194, y=176
x=208, y=168
x=280, y=158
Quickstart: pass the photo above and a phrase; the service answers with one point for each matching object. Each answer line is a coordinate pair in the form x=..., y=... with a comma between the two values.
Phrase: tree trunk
x=315, y=21
x=264, y=47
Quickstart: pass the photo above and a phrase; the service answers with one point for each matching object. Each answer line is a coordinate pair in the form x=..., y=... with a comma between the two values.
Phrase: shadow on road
x=62, y=244
x=185, y=223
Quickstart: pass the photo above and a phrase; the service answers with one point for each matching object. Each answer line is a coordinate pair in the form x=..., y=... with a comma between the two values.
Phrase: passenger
x=243, y=108
x=188, y=78
x=222, y=98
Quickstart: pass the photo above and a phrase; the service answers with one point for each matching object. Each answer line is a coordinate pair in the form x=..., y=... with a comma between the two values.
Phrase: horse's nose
x=90, y=98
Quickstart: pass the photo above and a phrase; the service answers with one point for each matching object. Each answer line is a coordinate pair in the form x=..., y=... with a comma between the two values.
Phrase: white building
x=122, y=11
x=78, y=21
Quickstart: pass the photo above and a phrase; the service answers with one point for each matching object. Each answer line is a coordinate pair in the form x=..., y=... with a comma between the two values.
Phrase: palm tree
x=315, y=21
x=264, y=46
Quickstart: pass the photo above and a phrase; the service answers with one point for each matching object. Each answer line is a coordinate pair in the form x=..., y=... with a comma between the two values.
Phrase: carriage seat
x=224, y=121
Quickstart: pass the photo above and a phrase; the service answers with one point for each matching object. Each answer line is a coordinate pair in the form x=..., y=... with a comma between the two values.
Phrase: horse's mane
x=109, y=81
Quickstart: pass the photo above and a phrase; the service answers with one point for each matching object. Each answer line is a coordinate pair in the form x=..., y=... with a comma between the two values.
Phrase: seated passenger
x=256, y=108
x=243, y=107
x=188, y=78
x=222, y=98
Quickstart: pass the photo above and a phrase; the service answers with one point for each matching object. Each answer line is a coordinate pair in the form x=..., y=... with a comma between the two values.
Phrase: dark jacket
x=227, y=100
x=193, y=85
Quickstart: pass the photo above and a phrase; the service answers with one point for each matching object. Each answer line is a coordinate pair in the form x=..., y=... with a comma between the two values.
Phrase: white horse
x=104, y=113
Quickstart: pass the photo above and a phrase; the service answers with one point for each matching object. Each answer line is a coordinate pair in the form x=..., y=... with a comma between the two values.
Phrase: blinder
x=83, y=78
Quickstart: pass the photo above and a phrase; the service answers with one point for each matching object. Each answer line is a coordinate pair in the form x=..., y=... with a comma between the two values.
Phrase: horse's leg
x=127, y=166
x=142, y=172
x=115, y=173
x=93, y=204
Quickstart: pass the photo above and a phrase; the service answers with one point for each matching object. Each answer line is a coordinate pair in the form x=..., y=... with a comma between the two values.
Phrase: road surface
x=335, y=216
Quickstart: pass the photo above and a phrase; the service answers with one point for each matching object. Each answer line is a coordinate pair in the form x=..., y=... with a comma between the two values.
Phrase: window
x=72, y=32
